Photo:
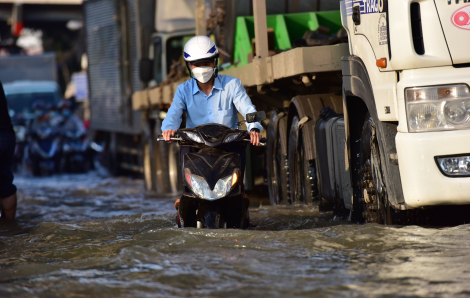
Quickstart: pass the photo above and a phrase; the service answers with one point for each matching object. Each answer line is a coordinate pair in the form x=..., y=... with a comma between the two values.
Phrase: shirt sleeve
x=244, y=105
x=175, y=112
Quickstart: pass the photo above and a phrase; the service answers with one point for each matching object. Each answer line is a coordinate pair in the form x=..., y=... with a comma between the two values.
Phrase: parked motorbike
x=213, y=186
x=20, y=132
x=42, y=153
x=76, y=155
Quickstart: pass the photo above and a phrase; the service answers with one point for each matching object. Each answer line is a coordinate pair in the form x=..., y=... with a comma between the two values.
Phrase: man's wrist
x=255, y=130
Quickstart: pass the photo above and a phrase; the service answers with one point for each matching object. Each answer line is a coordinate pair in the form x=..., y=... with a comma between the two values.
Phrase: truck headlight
x=454, y=166
x=200, y=187
x=438, y=108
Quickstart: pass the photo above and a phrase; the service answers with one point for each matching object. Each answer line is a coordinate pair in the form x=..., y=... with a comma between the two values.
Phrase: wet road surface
x=88, y=236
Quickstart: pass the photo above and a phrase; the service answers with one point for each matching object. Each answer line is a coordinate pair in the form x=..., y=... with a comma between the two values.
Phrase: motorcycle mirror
x=256, y=117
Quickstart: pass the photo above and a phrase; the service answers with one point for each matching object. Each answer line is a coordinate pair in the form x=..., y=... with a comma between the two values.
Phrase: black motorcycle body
x=213, y=194
x=213, y=188
x=42, y=153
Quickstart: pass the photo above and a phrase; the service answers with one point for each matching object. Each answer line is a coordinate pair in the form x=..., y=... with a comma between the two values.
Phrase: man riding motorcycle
x=208, y=97
x=77, y=155
x=42, y=153
x=41, y=117
x=69, y=121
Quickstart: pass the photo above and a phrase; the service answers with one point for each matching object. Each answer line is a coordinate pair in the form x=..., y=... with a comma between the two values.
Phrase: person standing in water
x=7, y=149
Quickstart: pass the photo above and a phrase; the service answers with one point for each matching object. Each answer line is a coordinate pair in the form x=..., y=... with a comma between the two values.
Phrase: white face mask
x=203, y=73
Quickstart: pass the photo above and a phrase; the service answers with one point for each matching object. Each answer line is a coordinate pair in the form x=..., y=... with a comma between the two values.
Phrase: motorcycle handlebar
x=262, y=141
x=175, y=138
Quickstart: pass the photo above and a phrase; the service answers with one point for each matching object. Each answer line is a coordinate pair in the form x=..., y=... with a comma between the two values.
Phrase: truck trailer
x=123, y=36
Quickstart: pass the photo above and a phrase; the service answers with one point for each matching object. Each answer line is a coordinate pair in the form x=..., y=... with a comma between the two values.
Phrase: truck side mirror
x=256, y=117
x=356, y=15
x=146, y=70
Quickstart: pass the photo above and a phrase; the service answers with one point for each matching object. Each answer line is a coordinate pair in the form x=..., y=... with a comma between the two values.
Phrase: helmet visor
x=208, y=60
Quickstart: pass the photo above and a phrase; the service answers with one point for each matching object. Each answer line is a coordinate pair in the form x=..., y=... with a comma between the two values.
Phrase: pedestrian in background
x=7, y=150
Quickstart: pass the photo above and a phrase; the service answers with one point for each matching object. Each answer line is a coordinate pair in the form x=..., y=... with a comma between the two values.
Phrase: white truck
x=408, y=68
x=376, y=128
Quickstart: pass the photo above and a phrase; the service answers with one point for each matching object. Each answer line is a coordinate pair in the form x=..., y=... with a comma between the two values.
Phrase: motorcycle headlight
x=193, y=136
x=200, y=187
x=438, y=108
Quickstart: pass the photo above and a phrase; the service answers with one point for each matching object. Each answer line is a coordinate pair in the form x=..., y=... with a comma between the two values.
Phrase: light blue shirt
x=226, y=98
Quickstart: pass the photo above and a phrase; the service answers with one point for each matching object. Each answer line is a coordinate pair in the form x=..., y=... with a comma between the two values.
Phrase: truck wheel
x=302, y=173
x=282, y=162
x=174, y=169
x=111, y=155
x=374, y=191
x=148, y=166
x=271, y=161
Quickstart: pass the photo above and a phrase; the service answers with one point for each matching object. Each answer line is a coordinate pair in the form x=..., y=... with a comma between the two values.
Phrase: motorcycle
x=42, y=153
x=213, y=186
x=76, y=152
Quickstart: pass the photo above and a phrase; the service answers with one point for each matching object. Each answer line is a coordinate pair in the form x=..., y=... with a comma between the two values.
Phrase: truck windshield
x=174, y=52
x=157, y=61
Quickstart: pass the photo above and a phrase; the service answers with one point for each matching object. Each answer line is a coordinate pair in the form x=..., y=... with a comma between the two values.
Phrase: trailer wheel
x=111, y=155
x=271, y=161
x=374, y=191
x=281, y=165
x=302, y=173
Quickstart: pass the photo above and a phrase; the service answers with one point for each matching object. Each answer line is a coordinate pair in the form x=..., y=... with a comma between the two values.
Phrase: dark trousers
x=240, y=151
x=7, y=151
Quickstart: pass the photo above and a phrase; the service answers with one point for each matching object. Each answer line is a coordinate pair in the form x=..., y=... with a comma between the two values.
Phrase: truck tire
x=271, y=160
x=111, y=154
x=148, y=165
x=376, y=206
x=302, y=172
x=282, y=162
x=174, y=169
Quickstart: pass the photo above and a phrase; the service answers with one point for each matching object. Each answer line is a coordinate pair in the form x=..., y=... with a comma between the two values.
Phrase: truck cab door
x=373, y=24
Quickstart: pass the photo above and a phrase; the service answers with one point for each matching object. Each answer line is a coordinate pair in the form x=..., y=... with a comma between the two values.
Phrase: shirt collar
x=195, y=87
x=217, y=85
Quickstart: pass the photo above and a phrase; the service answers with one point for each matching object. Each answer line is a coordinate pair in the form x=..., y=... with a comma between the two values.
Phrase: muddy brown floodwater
x=87, y=236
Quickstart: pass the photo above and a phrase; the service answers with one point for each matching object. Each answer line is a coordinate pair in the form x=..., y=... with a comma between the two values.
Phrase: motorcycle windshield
x=213, y=132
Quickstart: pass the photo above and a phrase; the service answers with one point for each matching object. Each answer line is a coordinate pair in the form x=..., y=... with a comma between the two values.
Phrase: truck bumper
x=423, y=183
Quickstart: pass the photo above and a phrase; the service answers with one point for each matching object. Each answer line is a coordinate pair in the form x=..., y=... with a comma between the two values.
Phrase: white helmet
x=200, y=48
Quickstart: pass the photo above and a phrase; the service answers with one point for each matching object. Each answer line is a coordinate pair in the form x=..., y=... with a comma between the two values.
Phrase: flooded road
x=87, y=236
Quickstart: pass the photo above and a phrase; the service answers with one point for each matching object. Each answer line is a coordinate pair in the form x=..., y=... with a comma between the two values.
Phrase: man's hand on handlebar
x=168, y=134
x=255, y=137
